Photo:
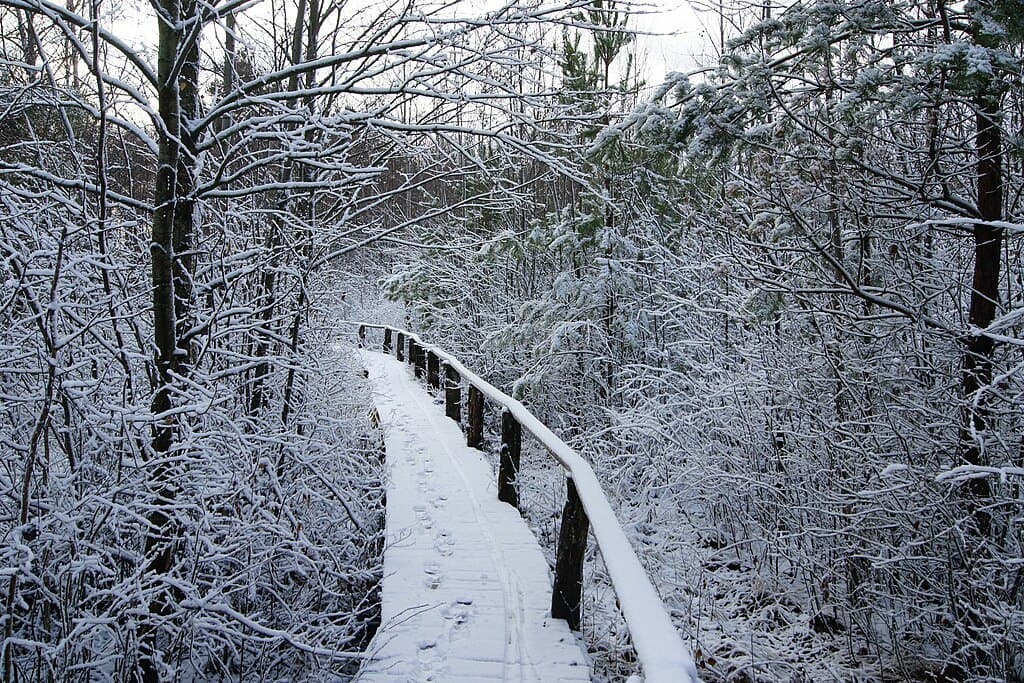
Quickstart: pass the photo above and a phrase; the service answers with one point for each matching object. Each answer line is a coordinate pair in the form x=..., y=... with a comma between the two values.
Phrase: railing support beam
x=475, y=428
x=508, y=462
x=452, y=394
x=416, y=357
x=567, y=593
x=433, y=370
x=387, y=340
x=400, y=347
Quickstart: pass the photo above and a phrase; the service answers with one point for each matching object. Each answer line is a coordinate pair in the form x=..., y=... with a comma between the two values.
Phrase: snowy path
x=466, y=591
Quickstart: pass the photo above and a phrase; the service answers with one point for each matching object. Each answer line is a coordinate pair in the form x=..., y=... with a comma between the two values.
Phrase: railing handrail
x=662, y=654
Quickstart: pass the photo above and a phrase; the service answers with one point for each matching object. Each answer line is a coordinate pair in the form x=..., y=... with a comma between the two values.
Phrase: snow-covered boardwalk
x=466, y=591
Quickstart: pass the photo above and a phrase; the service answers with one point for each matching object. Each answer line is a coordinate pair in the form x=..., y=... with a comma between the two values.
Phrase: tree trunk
x=275, y=238
x=977, y=376
x=977, y=359
x=172, y=265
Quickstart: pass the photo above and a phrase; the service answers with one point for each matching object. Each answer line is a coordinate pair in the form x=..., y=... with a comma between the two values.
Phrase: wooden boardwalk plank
x=466, y=590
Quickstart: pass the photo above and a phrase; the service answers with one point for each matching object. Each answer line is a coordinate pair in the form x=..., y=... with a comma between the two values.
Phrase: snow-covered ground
x=466, y=590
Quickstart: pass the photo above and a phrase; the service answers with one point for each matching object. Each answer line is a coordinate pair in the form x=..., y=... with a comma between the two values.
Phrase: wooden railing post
x=508, y=461
x=400, y=347
x=416, y=356
x=475, y=428
x=567, y=593
x=452, y=394
x=433, y=370
x=387, y=340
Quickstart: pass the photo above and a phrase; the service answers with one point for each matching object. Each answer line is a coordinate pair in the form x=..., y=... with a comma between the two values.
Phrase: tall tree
x=259, y=177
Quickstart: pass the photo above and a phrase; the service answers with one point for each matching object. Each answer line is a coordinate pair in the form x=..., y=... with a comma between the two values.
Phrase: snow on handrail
x=662, y=654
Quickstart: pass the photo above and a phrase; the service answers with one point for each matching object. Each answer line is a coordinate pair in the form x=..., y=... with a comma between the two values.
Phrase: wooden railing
x=659, y=648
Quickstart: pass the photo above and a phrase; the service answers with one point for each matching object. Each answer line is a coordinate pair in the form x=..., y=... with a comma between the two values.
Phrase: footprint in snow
x=426, y=521
x=458, y=613
x=428, y=659
x=433, y=572
x=445, y=545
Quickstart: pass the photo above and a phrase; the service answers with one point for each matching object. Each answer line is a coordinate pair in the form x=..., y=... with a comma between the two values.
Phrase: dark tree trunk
x=172, y=266
x=977, y=376
x=977, y=359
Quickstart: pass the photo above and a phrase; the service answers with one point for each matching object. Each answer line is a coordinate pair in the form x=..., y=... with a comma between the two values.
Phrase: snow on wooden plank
x=658, y=646
x=466, y=590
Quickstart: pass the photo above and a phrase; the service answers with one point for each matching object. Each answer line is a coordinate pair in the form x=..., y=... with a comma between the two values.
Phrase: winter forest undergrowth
x=777, y=302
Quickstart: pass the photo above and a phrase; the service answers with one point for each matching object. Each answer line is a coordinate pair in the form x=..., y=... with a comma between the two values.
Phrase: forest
x=776, y=301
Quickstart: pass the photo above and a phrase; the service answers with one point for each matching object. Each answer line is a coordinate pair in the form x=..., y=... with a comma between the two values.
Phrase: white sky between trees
x=674, y=36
